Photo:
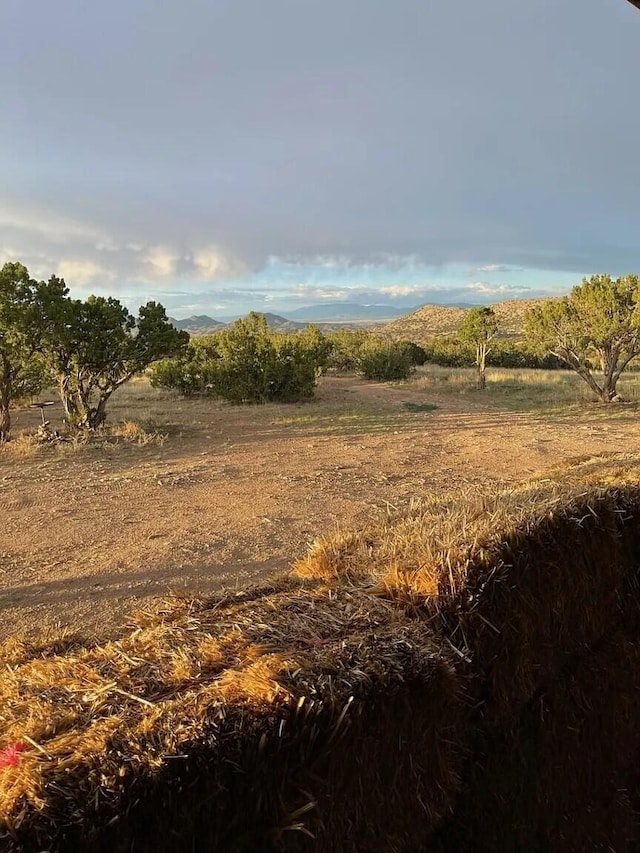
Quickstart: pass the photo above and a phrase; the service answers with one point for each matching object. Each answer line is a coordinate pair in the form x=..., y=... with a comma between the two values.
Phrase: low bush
x=385, y=361
x=359, y=351
x=416, y=353
x=346, y=349
x=247, y=364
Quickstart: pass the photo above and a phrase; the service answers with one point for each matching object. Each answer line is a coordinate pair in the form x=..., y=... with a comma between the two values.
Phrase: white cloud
x=494, y=289
x=494, y=268
x=397, y=290
x=82, y=272
x=210, y=263
x=160, y=261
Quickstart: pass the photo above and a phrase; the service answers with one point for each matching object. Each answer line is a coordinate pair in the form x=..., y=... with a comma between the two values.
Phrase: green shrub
x=346, y=349
x=33, y=377
x=417, y=354
x=184, y=374
x=449, y=351
x=294, y=371
x=191, y=373
x=385, y=361
x=246, y=364
x=319, y=346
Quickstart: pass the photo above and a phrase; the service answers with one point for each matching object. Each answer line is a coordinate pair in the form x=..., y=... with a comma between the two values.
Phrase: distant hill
x=344, y=311
x=281, y=324
x=204, y=325
x=198, y=322
x=433, y=320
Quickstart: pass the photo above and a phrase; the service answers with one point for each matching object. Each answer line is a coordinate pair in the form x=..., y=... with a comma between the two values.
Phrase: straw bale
x=522, y=579
x=549, y=590
x=559, y=775
x=464, y=675
x=252, y=722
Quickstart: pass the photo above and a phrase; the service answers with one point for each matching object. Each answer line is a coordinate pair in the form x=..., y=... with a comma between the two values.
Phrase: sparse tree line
x=250, y=363
x=595, y=331
x=91, y=347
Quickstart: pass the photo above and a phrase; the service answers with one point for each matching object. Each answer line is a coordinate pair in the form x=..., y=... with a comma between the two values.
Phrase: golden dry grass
x=453, y=529
x=95, y=720
x=489, y=594
x=525, y=390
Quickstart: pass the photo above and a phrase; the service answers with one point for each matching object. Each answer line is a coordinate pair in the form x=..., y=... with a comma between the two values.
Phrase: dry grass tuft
x=133, y=433
x=23, y=446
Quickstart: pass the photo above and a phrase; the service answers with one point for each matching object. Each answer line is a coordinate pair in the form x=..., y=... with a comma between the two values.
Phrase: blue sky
x=221, y=155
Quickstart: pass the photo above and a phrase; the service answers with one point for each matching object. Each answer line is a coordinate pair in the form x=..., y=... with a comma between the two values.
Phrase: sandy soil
x=87, y=535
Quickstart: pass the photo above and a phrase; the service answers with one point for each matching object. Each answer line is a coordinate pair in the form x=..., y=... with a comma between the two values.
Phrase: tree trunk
x=67, y=395
x=5, y=414
x=481, y=358
x=97, y=415
x=609, y=361
x=608, y=391
x=5, y=400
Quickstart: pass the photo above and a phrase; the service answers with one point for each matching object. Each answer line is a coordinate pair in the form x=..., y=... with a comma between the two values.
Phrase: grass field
x=524, y=390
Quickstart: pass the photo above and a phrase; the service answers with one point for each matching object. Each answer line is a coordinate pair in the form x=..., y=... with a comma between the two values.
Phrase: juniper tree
x=598, y=322
x=21, y=372
x=479, y=328
x=95, y=346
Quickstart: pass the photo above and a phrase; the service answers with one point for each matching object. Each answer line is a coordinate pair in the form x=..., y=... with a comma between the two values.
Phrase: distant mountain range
x=202, y=324
x=417, y=325
x=326, y=312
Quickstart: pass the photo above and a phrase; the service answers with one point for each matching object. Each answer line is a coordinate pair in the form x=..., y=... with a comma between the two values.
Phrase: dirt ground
x=229, y=494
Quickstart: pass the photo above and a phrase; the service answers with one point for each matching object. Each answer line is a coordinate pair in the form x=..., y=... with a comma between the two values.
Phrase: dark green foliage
x=22, y=374
x=183, y=374
x=95, y=346
x=346, y=349
x=33, y=378
x=193, y=372
x=417, y=354
x=385, y=361
x=478, y=330
x=247, y=364
x=510, y=353
x=419, y=407
x=259, y=366
x=360, y=351
x=448, y=351
x=319, y=346
x=597, y=323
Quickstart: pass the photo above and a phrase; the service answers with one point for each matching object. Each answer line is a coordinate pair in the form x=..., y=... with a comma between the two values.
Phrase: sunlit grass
x=518, y=389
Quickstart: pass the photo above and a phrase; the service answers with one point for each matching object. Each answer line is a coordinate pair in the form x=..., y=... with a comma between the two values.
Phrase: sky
x=222, y=155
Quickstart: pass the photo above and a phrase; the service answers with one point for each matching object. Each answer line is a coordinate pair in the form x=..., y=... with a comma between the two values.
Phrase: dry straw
x=235, y=716
x=463, y=675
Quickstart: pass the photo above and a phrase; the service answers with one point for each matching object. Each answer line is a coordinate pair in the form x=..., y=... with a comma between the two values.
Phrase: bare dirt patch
x=229, y=494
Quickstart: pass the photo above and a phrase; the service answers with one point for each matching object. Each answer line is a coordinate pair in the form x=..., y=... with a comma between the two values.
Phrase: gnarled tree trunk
x=5, y=400
x=5, y=417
